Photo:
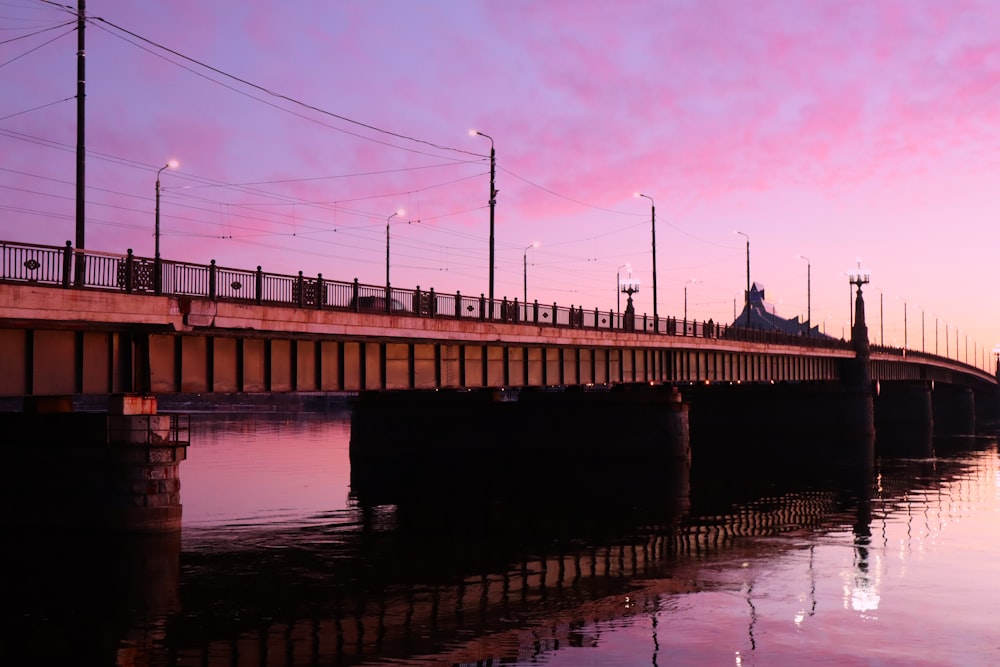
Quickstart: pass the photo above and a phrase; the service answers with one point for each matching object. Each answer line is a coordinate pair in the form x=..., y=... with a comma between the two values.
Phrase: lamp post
x=906, y=344
x=653, y=211
x=526, y=249
x=618, y=284
x=693, y=280
x=387, y=221
x=746, y=295
x=493, y=200
x=808, y=294
x=157, y=285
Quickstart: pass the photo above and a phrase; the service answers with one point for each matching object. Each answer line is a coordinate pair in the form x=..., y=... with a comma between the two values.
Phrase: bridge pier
x=572, y=443
x=954, y=410
x=904, y=418
x=117, y=471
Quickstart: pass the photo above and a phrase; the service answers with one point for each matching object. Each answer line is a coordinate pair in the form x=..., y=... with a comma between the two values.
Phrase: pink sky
x=833, y=130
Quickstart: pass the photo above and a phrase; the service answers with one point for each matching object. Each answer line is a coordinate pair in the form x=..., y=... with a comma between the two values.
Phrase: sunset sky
x=839, y=131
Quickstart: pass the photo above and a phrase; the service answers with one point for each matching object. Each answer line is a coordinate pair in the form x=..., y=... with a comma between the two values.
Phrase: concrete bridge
x=135, y=330
x=139, y=325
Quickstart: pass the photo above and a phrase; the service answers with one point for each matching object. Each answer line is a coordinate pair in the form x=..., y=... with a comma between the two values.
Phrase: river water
x=286, y=558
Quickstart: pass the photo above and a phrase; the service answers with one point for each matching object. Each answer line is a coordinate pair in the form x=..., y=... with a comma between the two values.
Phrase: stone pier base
x=116, y=471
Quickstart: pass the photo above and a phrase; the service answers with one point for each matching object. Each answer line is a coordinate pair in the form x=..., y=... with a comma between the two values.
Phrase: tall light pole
x=618, y=284
x=387, y=221
x=526, y=249
x=693, y=280
x=905, y=338
x=746, y=295
x=808, y=293
x=157, y=286
x=653, y=205
x=493, y=201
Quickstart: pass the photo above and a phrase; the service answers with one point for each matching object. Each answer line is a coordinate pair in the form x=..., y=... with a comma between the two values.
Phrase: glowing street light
x=653, y=209
x=172, y=164
x=526, y=249
x=493, y=200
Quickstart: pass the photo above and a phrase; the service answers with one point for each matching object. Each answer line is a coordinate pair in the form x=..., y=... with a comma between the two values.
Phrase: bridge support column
x=954, y=410
x=904, y=419
x=117, y=471
x=573, y=443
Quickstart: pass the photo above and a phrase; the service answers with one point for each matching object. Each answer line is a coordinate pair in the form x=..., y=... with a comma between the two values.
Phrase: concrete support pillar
x=602, y=443
x=117, y=471
x=954, y=410
x=904, y=419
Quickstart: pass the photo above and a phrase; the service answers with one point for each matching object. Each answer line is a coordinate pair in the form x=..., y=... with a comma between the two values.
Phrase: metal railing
x=56, y=266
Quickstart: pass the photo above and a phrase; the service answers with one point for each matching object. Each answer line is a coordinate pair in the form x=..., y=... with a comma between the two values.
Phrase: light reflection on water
x=282, y=563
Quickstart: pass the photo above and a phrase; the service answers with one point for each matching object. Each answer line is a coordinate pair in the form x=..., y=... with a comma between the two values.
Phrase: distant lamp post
x=157, y=285
x=859, y=330
x=653, y=210
x=493, y=200
x=629, y=287
x=906, y=341
x=387, y=283
x=808, y=293
x=526, y=249
x=746, y=295
x=618, y=284
x=693, y=280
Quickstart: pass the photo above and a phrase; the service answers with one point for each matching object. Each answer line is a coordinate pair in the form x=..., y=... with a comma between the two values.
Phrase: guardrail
x=57, y=266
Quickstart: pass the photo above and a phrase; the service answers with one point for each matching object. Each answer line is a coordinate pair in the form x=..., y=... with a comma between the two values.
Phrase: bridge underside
x=39, y=362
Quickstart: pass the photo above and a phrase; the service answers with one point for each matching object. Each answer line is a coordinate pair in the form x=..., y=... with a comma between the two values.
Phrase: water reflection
x=517, y=563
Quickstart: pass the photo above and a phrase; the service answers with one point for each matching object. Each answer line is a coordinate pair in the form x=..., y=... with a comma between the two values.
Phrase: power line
x=283, y=96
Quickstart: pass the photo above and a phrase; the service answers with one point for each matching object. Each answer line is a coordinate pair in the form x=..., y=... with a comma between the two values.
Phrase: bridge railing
x=57, y=266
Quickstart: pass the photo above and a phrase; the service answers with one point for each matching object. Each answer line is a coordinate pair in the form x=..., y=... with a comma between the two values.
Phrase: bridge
x=79, y=326
x=138, y=324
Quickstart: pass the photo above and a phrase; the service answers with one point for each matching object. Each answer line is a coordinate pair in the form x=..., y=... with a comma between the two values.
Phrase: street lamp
x=493, y=201
x=387, y=221
x=693, y=280
x=746, y=295
x=618, y=283
x=653, y=205
x=808, y=293
x=905, y=337
x=172, y=164
x=526, y=249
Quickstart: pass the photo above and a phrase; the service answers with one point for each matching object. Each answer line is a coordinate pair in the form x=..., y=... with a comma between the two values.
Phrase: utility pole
x=81, y=151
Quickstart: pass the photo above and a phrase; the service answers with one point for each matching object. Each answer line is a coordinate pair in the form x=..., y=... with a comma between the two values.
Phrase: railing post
x=211, y=280
x=302, y=292
x=482, y=307
x=354, y=296
x=416, y=302
x=259, y=286
x=320, y=291
x=458, y=305
x=388, y=298
x=67, y=268
x=555, y=313
x=597, y=318
x=157, y=273
x=535, y=318
x=129, y=270
x=611, y=319
x=432, y=306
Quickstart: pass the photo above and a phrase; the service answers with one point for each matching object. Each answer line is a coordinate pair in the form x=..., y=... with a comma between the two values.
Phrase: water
x=282, y=562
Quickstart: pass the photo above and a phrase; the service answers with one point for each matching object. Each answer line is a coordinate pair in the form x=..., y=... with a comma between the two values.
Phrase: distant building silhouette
x=759, y=314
